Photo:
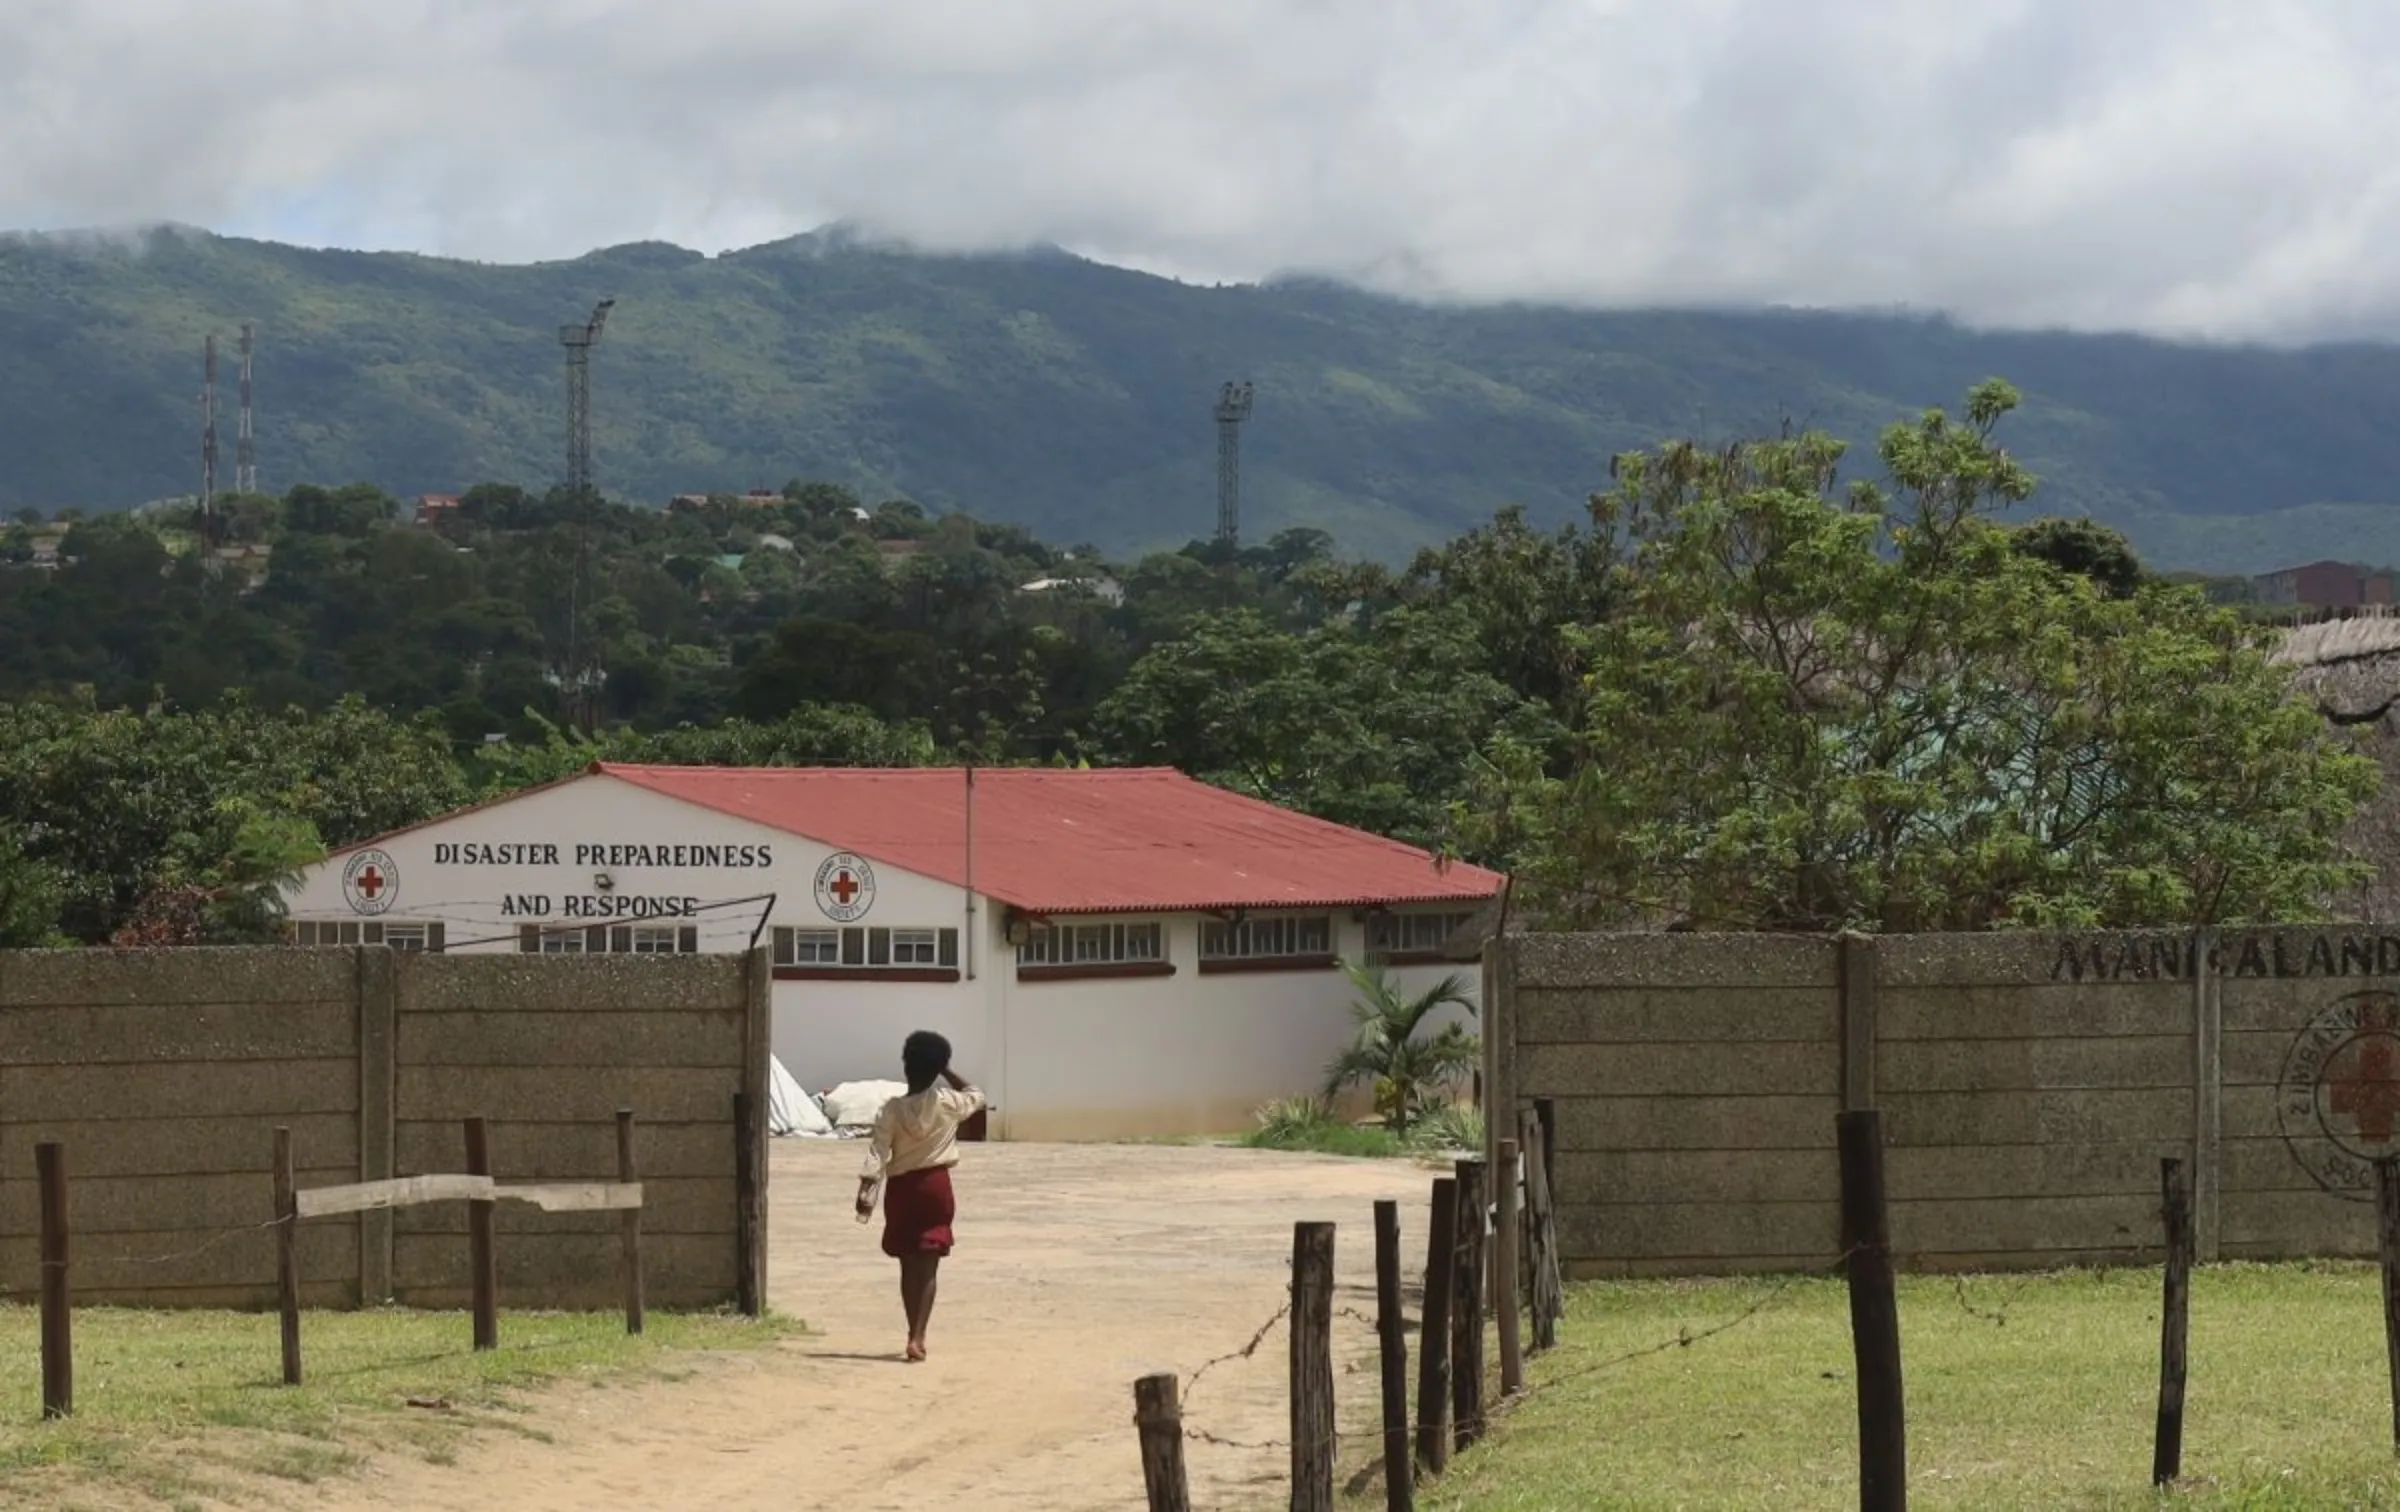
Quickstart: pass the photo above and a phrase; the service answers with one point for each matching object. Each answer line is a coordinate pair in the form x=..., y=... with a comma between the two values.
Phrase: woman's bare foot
x=916, y=1351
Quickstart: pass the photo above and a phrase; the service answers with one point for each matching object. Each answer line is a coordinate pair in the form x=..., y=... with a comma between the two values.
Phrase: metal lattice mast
x=580, y=679
x=208, y=440
x=579, y=341
x=245, y=450
x=1233, y=407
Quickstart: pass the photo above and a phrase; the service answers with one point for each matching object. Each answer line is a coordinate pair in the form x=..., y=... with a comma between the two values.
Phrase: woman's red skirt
x=917, y=1209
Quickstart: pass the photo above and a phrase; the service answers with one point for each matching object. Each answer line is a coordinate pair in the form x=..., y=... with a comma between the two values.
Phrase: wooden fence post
x=1312, y=1367
x=2387, y=1232
x=2175, y=1323
x=1391, y=1337
x=1433, y=1330
x=1874, y=1315
x=287, y=1253
x=1545, y=1114
x=1504, y=1272
x=58, y=1325
x=628, y=1173
x=1158, y=1419
x=1541, y=1203
x=483, y=1266
x=1466, y=1309
x=746, y=1218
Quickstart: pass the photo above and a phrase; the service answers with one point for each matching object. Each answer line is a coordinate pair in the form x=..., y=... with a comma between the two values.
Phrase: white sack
x=789, y=1109
x=853, y=1105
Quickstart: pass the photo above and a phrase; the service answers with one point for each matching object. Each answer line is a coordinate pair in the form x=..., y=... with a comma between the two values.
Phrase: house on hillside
x=2325, y=585
x=1112, y=954
x=1106, y=589
x=433, y=509
x=247, y=562
x=756, y=498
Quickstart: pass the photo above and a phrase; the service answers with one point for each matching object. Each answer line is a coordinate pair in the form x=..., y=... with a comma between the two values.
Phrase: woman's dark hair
x=924, y=1055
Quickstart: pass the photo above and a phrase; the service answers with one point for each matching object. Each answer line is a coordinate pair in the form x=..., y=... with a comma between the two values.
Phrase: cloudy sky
x=2215, y=167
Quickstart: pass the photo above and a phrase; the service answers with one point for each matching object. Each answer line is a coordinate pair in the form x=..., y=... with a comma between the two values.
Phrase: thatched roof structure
x=2350, y=668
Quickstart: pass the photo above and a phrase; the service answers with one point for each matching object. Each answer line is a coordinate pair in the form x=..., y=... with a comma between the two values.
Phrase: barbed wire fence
x=1775, y=1289
x=1868, y=1261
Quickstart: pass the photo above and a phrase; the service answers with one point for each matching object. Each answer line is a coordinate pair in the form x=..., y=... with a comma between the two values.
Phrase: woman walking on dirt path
x=914, y=1146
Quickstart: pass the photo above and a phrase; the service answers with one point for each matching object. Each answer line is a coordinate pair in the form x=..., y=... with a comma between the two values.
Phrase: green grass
x=2022, y=1393
x=175, y=1405
x=1329, y=1137
x=1304, y=1124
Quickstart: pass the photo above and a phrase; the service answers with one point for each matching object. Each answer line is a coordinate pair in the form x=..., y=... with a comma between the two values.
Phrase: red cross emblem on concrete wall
x=844, y=887
x=2366, y=1082
x=370, y=883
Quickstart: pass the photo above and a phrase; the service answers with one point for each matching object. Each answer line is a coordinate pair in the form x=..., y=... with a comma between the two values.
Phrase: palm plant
x=1406, y=1072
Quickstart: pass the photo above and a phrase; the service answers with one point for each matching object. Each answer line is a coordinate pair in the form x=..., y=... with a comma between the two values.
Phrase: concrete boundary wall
x=2030, y=1086
x=164, y=1073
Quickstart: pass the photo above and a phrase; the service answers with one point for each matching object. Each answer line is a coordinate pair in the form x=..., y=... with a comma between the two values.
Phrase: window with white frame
x=1267, y=938
x=562, y=942
x=1110, y=944
x=399, y=936
x=866, y=950
x=1413, y=933
x=808, y=947
x=651, y=939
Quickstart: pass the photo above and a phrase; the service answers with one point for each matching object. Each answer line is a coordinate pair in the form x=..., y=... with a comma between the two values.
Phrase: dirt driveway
x=1079, y=1267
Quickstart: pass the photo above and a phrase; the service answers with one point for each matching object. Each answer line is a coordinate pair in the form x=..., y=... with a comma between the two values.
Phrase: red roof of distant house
x=1048, y=841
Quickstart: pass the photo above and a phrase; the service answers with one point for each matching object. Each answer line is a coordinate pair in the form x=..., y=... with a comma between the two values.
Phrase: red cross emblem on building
x=844, y=887
x=370, y=883
x=2366, y=1081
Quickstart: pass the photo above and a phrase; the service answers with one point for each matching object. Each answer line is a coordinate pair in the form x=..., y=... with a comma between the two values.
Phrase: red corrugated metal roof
x=1122, y=840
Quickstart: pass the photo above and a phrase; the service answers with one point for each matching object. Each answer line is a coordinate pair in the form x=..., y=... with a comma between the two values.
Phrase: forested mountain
x=1073, y=399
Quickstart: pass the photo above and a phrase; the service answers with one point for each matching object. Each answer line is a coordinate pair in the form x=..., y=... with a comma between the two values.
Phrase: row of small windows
x=1274, y=937
x=532, y=939
x=414, y=937
x=1413, y=933
x=1267, y=937
x=867, y=949
x=1094, y=945
x=610, y=939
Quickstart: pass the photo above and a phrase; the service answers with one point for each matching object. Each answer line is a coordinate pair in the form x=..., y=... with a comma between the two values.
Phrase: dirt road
x=1078, y=1269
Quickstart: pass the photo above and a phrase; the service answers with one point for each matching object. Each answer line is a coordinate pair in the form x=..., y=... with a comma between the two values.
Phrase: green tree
x=1523, y=592
x=1809, y=710
x=813, y=736
x=226, y=886
x=121, y=805
x=1375, y=726
x=30, y=897
x=1407, y=1071
x=2085, y=547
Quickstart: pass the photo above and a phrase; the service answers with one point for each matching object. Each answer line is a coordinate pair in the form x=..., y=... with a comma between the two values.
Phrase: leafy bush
x=1448, y=1126
x=1407, y=1073
x=1305, y=1123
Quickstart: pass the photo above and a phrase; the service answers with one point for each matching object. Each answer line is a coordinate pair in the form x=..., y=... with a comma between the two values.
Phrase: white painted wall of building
x=1190, y=1053
x=827, y=1033
x=482, y=906
x=824, y=1032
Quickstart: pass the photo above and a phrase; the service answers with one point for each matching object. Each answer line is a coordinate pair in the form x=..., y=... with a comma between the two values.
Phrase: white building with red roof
x=1115, y=953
